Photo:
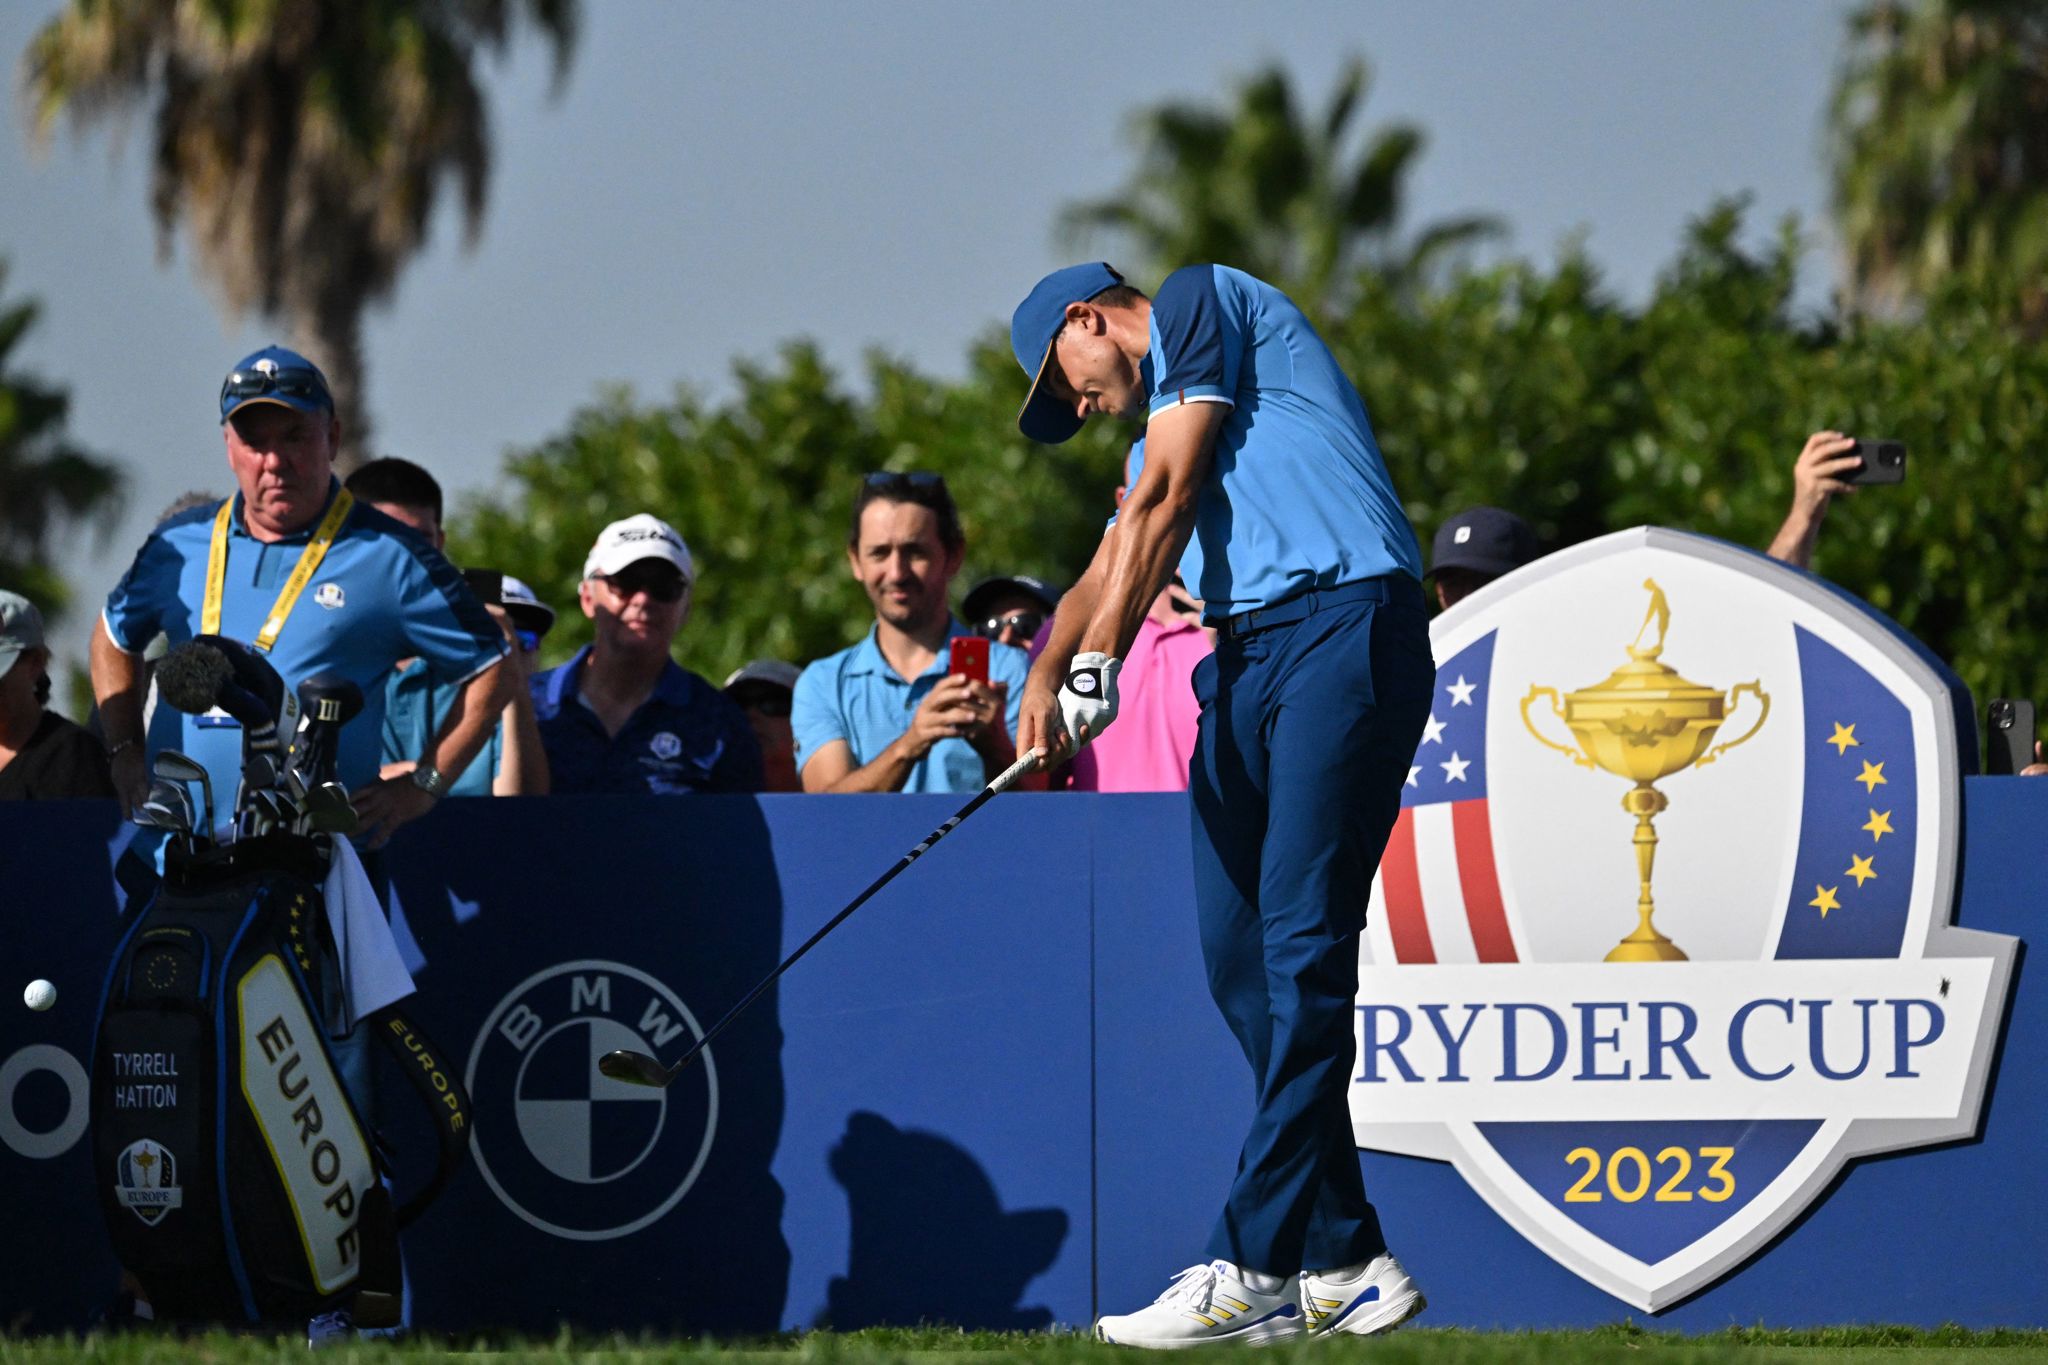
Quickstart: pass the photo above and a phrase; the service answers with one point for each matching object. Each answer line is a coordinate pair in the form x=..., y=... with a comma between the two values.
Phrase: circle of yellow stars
x=1861, y=869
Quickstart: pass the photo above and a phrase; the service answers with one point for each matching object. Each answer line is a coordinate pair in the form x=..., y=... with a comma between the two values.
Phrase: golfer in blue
x=1263, y=480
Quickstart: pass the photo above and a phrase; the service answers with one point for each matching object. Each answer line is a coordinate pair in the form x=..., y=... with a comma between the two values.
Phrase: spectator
x=1475, y=547
x=1010, y=610
x=763, y=689
x=886, y=714
x=1148, y=749
x=622, y=716
x=43, y=757
x=1817, y=476
x=417, y=708
x=306, y=573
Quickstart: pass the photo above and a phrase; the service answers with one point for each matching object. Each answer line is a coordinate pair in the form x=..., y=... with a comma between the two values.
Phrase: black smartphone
x=487, y=584
x=2009, y=745
x=1883, y=462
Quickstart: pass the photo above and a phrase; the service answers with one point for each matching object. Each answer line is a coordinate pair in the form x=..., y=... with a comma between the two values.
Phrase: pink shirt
x=1148, y=747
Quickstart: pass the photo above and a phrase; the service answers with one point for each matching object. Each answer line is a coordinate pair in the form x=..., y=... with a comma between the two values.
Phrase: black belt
x=1304, y=605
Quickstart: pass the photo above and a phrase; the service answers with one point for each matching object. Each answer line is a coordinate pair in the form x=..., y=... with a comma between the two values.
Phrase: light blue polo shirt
x=381, y=594
x=1297, y=495
x=856, y=696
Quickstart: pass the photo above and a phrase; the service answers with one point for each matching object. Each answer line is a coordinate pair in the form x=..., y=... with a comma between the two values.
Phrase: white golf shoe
x=1377, y=1296
x=1208, y=1305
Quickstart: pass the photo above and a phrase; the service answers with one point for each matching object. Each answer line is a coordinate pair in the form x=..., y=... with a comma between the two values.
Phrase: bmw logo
x=566, y=1149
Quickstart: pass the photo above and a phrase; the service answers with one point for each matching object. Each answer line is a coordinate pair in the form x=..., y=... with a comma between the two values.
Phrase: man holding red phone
x=922, y=704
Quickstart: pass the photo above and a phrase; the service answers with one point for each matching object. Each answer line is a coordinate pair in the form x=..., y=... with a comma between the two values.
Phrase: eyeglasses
x=1025, y=623
x=529, y=640
x=896, y=478
x=663, y=585
x=286, y=383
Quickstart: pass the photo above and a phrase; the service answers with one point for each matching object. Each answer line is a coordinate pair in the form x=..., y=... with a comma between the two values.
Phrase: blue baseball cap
x=1033, y=326
x=275, y=375
x=1483, y=540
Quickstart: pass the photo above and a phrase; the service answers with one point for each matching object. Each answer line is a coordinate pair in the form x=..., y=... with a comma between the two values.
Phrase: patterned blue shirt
x=856, y=696
x=686, y=737
x=382, y=594
x=1297, y=495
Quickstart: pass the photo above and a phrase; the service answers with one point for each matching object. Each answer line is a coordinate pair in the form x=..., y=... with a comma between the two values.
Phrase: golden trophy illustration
x=1644, y=723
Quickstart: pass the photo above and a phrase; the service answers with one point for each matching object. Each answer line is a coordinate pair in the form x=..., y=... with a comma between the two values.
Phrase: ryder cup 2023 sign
x=1662, y=936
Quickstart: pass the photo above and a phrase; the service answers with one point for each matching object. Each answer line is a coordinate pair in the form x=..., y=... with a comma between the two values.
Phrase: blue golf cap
x=1483, y=540
x=275, y=375
x=1033, y=326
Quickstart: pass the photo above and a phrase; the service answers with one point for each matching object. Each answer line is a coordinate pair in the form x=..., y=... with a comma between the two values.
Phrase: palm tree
x=1257, y=187
x=44, y=479
x=1940, y=145
x=301, y=143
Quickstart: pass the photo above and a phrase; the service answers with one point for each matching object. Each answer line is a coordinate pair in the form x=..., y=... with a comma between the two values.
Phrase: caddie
x=1263, y=479
x=293, y=565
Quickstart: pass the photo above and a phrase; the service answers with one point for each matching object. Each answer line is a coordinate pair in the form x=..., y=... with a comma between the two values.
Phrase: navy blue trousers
x=1307, y=732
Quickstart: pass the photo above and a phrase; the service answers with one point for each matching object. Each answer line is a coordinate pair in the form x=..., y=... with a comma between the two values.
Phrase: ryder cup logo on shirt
x=665, y=745
x=1662, y=937
x=572, y=1152
x=330, y=596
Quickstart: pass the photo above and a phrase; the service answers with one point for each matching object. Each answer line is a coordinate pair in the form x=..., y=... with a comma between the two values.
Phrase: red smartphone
x=969, y=657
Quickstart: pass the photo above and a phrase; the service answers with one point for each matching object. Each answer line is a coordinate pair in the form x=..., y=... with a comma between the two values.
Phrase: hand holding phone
x=1883, y=462
x=968, y=658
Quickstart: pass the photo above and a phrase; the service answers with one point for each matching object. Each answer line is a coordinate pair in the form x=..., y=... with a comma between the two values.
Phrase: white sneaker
x=1374, y=1297
x=1208, y=1305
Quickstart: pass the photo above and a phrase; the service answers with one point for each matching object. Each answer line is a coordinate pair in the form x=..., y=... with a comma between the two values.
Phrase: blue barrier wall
x=998, y=1096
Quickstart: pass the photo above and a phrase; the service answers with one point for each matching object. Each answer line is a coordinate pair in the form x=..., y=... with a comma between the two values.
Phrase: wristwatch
x=429, y=780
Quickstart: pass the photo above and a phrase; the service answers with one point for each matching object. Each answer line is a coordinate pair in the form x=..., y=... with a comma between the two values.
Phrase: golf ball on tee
x=40, y=995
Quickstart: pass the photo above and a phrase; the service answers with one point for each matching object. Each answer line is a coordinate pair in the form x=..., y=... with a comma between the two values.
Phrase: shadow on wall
x=930, y=1240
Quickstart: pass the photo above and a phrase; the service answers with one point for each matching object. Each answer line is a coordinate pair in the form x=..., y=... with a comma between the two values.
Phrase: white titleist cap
x=636, y=538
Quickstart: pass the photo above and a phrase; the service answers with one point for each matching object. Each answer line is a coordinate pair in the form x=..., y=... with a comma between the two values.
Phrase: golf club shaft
x=1003, y=782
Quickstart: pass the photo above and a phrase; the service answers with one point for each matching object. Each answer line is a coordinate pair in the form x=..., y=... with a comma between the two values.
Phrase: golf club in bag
x=637, y=1068
x=237, y=1179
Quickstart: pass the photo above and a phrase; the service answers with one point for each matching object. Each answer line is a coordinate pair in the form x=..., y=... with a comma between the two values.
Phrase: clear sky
x=715, y=179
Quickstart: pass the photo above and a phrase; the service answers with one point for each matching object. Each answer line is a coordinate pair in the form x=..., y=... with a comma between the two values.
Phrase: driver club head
x=634, y=1068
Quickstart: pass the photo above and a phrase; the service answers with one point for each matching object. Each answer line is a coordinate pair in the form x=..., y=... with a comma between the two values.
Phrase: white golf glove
x=1088, y=696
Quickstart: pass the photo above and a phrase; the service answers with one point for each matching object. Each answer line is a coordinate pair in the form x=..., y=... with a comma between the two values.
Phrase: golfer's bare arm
x=1075, y=610
x=1153, y=525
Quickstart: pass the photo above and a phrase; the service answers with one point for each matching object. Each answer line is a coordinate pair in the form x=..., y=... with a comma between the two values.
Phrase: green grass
x=1616, y=1345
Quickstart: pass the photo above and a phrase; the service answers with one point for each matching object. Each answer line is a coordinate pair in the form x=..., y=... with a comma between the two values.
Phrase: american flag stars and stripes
x=1438, y=891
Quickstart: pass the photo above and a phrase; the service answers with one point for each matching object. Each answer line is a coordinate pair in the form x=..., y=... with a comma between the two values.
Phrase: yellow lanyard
x=309, y=562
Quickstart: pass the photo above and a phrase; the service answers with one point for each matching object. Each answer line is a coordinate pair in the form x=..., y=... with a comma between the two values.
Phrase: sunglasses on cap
x=1025, y=623
x=663, y=584
x=892, y=478
x=286, y=383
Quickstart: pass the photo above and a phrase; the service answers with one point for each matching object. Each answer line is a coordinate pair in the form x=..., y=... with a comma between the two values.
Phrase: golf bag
x=236, y=1177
